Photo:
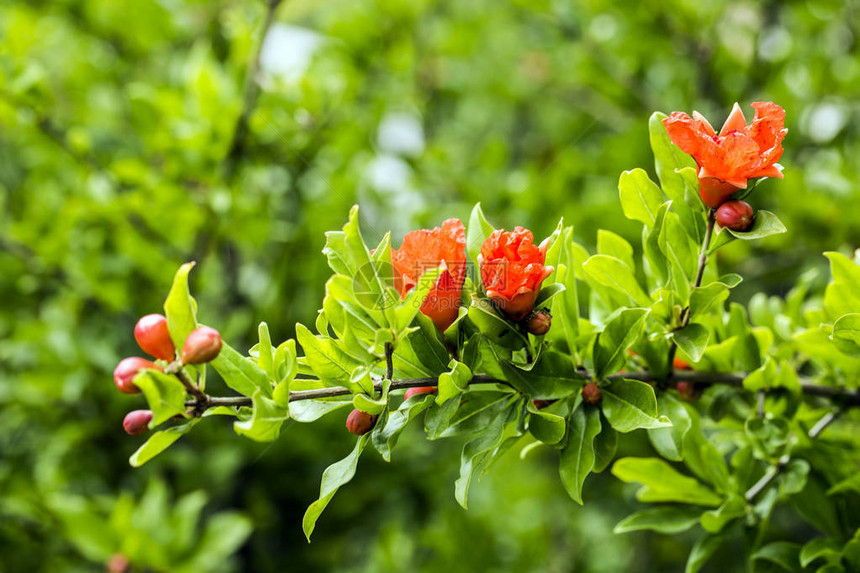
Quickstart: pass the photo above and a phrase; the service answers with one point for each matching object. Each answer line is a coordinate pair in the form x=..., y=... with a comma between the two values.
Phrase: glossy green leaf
x=334, y=477
x=164, y=393
x=846, y=334
x=669, y=441
x=385, y=437
x=615, y=274
x=619, y=334
x=703, y=550
x=669, y=520
x=577, y=458
x=266, y=420
x=180, y=307
x=782, y=553
x=629, y=405
x=241, y=373
x=693, y=340
x=478, y=231
x=160, y=441
x=764, y=225
x=454, y=381
x=640, y=197
x=662, y=483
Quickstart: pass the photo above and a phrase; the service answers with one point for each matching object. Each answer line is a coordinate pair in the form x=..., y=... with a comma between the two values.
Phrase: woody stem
x=697, y=282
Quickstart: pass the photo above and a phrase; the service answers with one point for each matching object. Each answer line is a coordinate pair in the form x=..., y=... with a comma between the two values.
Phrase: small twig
x=389, y=361
x=846, y=398
x=697, y=282
x=176, y=368
x=782, y=463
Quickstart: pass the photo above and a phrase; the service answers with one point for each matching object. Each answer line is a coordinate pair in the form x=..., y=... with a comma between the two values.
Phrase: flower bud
x=538, y=322
x=419, y=390
x=681, y=364
x=153, y=337
x=117, y=563
x=688, y=391
x=137, y=422
x=591, y=393
x=127, y=369
x=202, y=345
x=359, y=423
x=735, y=215
x=541, y=404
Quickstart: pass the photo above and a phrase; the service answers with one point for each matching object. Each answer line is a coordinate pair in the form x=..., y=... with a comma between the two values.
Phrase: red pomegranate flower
x=512, y=270
x=425, y=250
x=738, y=153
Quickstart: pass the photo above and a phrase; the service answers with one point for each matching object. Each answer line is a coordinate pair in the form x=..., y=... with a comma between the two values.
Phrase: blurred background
x=125, y=151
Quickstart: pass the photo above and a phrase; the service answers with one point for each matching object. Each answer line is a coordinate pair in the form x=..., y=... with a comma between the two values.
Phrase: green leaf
x=422, y=353
x=385, y=437
x=842, y=296
x=703, y=298
x=615, y=274
x=370, y=405
x=326, y=358
x=781, y=553
x=312, y=410
x=224, y=534
x=478, y=231
x=674, y=242
x=545, y=426
x=614, y=245
x=693, y=340
x=180, y=308
x=669, y=520
x=662, y=483
x=716, y=520
x=846, y=334
x=265, y=351
x=484, y=316
x=547, y=292
x=565, y=307
x=630, y=404
x=336, y=475
x=160, y=441
x=605, y=446
x=669, y=441
x=553, y=376
x=577, y=458
x=640, y=197
x=454, y=381
x=164, y=393
x=820, y=548
x=479, y=453
x=266, y=420
x=241, y=373
x=406, y=311
x=619, y=334
x=764, y=225
x=704, y=548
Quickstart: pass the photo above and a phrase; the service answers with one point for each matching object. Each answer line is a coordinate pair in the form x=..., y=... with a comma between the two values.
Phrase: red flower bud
x=735, y=215
x=512, y=270
x=201, y=346
x=681, y=364
x=127, y=369
x=118, y=563
x=419, y=390
x=688, y=391
x=538, y=322
x=591, y=393
x=359, y=423
x=137, y=422
x=153, y=337
x=541, y=404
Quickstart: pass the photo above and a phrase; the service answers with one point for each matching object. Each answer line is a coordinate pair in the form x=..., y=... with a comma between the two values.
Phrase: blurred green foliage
x=117, y=119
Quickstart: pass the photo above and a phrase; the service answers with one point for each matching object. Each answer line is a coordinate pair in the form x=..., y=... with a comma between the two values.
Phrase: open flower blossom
x=512, y=270
x=737, y=153
x=425, y=250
